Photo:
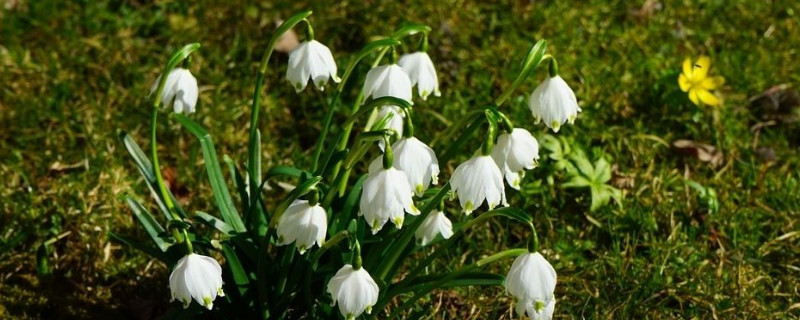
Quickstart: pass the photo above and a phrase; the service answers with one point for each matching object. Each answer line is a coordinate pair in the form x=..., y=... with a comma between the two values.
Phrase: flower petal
x=684, y=83
x=701, y=68
x=708, y=98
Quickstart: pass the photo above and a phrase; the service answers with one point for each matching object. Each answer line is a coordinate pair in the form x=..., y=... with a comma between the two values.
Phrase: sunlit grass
x=72, y=73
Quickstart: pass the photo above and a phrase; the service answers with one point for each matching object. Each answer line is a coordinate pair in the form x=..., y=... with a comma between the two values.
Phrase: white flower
x=515, y=152
x=418, y=162
x=304, y=224
x=554, y=103
x=181, y=86
x=314, y=60
x=477, y=180
x=532, y=281
x=196, y=276
x=436, y=223
x=354, y=290
x=387, y=81
x=420, y=70
x=396, y=122
x=386, y=195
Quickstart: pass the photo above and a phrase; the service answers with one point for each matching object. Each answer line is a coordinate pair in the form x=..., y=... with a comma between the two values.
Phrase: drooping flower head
x=476, y=180
x=180, y=89
x=196, y=277
x=696, y=81
x=532, y=282
x=554, y=103
x=435, y=224
x=387, y=81
x=386, y=195
x=420, y=70
x=354, y=291
x=515, y=152
x=418, y=162
x=304, y=224
x=311, y=59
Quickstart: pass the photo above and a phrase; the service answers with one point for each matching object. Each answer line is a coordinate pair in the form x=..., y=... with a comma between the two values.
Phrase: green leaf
x=582, y=163
x=239, y=182
x=153, y=228
x=218, y=186
x=278, y=171
x=240, y=278
x=411, y=29
x=153, y=252
x=215, y=223
x=146, y=170
x=467, y=279
x=602, y=171
x=577, y=182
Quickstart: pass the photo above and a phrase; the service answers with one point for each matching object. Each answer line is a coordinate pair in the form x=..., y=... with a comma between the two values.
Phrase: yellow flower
x=698, y=84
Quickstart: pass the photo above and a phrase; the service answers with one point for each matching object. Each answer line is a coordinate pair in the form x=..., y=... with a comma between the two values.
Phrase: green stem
x=408, y=125
x=504, y=121
x=532, y=60
x=253, y=158
x=388, y=156
x=356, y=259
x=533, y=240
x=491, y=134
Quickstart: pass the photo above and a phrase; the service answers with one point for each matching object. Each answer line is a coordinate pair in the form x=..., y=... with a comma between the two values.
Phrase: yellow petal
x=684, y=83
x=708, y=98
x=687, y=68
x=712, y=83
x=701, y=67
x=694, y=97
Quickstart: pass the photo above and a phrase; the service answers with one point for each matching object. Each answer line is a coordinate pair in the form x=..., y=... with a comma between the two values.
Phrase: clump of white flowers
x=324, y=198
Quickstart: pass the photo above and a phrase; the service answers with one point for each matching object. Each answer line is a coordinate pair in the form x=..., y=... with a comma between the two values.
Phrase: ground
x=73, y=73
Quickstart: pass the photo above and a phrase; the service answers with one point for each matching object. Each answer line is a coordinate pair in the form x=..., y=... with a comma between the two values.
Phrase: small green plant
x=580, y=171
x=279, y=261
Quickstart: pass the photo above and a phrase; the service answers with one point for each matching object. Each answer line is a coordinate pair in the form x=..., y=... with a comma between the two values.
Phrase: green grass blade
x=240, y=278
x=218, y=186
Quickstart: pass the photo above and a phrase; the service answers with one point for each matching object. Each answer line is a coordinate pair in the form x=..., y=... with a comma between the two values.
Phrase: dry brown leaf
x=781, y=103
x=703, y=152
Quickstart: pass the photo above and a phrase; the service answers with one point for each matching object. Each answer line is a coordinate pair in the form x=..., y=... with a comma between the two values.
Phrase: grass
x=74, y=72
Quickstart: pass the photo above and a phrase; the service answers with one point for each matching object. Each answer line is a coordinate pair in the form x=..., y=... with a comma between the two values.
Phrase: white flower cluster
x=407, y=169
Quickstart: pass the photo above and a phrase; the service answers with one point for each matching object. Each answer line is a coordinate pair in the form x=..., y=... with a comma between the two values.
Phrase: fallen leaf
x=703, y=152
x=781, y=103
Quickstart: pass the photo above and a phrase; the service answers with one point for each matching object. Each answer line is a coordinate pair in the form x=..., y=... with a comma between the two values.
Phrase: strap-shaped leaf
x=213, y=222
x=153, y=252
x=146, y=170
x=240, y=278
x=218, y=186
x=153, y=228
x=278, y=171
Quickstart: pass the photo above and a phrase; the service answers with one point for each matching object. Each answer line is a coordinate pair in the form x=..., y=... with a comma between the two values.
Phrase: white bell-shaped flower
x=418, y=162
x=554, y=103
x=311, y=59
x=515, y=152
x=386, y=195
x=354, y=291
x=387, y=81
x=435, y=224
x=532, y=281
x=180, y=89
x=477, y=180
x=304, y=224
x=196, y=276
x=420, y=70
